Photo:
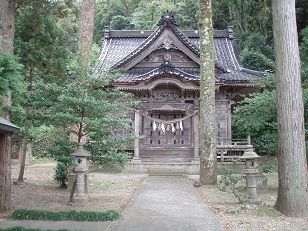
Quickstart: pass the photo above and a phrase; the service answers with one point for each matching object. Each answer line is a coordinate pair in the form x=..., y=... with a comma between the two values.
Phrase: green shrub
x=62, y=170
x=229, y=182
x=256, y=60
x=61, y=151
x=23, y=214
x=25, y=229
x=267, y=169
x=257, y=116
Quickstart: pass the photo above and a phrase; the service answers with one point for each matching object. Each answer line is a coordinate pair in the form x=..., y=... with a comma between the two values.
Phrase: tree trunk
x=208, y=165
x=5, y=174
x=20, y=178
x=292, y=164
x=3, y=22
x=7, y=26
x=85, y=33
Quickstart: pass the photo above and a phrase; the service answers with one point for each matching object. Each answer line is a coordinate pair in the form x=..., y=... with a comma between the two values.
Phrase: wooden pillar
x=5, y=173
x=196, y=135
x=229, y=131
x=137, y=134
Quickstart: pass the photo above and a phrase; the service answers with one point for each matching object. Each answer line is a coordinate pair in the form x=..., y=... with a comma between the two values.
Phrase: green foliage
x=255, y=52
x=119, y=22
x=186, y=13
x=61, y=148
x=256, y=116
x=44, y=41
x=23, y=214
x=44, y=137
x=61, y=151
x=148, y=19
x=10, y=73
x=230, y=182
x=256, y=60
x=41, y=41
x=267, y=169
x=304, y=56
x=245, y=15
x=87, y=107
x=10, y=79
x=62, y=170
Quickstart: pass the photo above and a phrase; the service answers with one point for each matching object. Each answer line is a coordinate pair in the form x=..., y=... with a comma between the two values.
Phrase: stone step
x=166, y=152
x=163, y=167
x=166, y=160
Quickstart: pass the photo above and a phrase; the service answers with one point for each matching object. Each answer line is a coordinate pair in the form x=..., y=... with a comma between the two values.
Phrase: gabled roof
x=119, y=48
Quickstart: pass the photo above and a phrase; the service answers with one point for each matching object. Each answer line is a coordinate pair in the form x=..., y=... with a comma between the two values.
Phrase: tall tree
x=7, y=17
x=292, y=164
x=41, y=43
x=208, y=165
x=86, y=25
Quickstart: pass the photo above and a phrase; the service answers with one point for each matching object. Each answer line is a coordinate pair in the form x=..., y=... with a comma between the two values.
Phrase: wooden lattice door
x=168, y=139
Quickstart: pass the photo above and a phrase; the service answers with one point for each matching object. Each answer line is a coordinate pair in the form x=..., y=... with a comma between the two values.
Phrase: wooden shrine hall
x=161, y=68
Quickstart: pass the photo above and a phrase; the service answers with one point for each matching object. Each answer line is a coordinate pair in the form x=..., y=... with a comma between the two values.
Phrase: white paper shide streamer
x=167, y=126
x=163, y=128
x=181, y=125
x=154, y=126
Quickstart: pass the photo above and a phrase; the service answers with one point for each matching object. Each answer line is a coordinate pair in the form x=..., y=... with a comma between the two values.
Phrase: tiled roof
x=120, y=47
x=143, y=73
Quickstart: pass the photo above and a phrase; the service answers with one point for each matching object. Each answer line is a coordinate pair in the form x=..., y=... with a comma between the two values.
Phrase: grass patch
x=267, y=211
x=24, y=229
x=23, y=214
x=41, y=160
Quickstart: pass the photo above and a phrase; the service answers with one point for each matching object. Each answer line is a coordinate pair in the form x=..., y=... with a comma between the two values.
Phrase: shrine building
x=161, y=68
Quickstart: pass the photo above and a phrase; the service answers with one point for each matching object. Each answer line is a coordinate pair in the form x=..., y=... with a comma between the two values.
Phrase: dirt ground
x=39, y=191
x=239, y=217
x=114, y=191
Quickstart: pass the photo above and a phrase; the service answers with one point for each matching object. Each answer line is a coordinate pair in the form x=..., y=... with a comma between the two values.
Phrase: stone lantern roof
x=81, y=152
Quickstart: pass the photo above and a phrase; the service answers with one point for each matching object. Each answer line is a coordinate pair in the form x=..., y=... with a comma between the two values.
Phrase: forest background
x=45, y=100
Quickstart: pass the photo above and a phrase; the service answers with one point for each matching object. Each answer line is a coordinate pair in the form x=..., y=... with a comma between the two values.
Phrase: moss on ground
x=23, y=214
x=267, y=211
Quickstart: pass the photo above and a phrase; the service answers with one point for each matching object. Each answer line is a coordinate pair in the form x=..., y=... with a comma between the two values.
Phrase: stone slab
x=168, y=203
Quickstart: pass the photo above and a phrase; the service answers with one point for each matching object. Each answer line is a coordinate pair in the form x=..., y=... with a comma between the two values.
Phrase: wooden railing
x=230, y=150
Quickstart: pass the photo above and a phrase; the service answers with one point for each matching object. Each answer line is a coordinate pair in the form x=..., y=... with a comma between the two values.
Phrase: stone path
x=163, y=203
x=167, y=203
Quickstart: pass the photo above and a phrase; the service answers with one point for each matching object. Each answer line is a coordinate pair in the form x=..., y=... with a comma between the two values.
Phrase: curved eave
x=149, y=84
x=241, y=85
x=167, y=71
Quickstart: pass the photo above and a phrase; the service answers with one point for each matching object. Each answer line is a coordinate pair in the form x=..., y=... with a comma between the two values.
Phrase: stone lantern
x=80, y=197
x=251, y=172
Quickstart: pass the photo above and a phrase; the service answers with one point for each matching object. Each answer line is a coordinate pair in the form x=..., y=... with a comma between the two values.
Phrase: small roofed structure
x=6, y=130
x=161, y=68
x=6, y=127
